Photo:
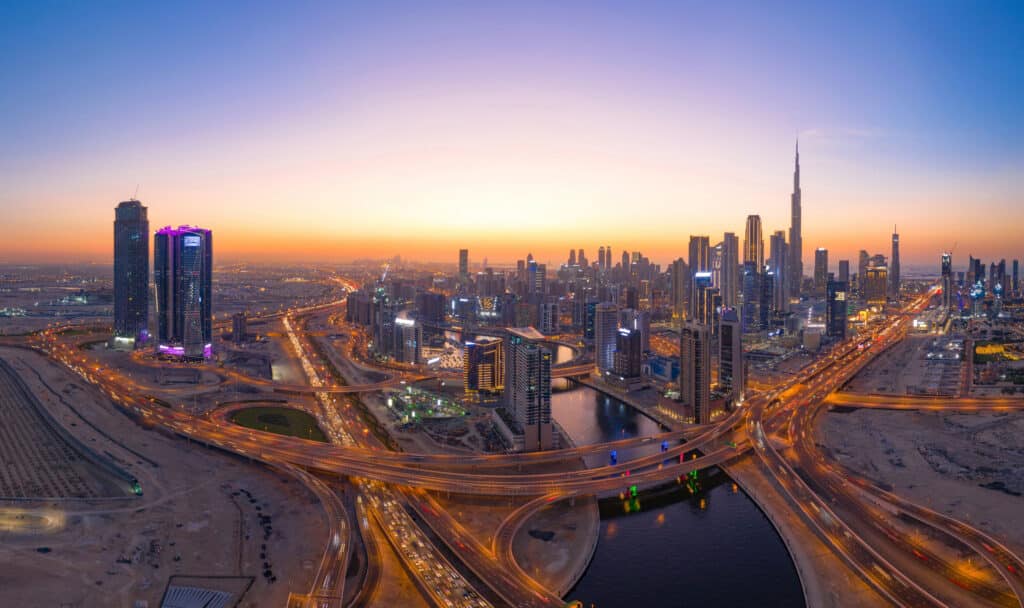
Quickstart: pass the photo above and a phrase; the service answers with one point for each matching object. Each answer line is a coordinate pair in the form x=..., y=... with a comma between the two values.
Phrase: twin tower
x=183, y=277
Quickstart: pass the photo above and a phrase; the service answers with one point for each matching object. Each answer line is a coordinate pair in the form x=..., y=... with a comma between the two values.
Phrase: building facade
x=183, y=273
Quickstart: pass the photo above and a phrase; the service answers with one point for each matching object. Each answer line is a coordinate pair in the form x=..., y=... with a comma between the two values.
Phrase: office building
x=876, y=283
x=835, y=309
x=679, y=276
x=732, y=377
x=698, y=304
x=862, y=271
x=528, y=386
x=700, y=254
x=947, y=281
x=606, y=323
x=844, y=271
x=766, y=303
x=730, y=270
x=463, y=265
x=628, y=357
x=695, y=370
x=183, y=273
x=795, y=276
x=131, y=273
x=894, y=267
x=753, y=242
x=483, y=368
x=778, y=266
x=820, y=271
x=239, y=328
x=1016, y=278
x=751, y=297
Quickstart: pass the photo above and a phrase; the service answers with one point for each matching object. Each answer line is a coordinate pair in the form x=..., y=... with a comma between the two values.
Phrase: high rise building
x=876, y=283
x=751, y=297
x=835, y=310
x=131, y=273
x=779, y=266
x=730, y=271
x=695, y=370
x=1016, y=277
x=862, y=271
x=795, y=275
x=581, y=259
x=698, y=304
x=572, y=258
x=732, y=375
x=753, y=242
x=894, y=267
x=700, y=254
x=947, y=281
x=528, y=386
x=183, y=273
x=483, y=368
x=844, y=271
x=463, y=265
x=606, y=322
x=628, y=357
x=820, y=270
x=239, y=329
x=680, y=279
x=601, y=263
x=640, y=322
x=766, y=303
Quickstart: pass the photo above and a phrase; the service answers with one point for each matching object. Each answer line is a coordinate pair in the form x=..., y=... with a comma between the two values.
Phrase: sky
x=332, y=131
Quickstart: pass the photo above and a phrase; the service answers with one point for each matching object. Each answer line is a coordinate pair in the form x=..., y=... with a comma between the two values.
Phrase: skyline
x=347, y=131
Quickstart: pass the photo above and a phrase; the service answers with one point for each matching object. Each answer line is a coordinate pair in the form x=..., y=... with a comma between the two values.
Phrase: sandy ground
x=189, y=521
x=969, y=466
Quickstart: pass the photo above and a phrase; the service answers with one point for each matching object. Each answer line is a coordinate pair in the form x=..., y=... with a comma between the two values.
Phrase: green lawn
x=280, y=420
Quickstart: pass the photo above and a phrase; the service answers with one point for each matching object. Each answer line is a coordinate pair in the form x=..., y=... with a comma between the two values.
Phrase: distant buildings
x=239, y=329
x=753, y=242
x=483, y=368
x=947, y=281
x=820, y=271
x=894, y=267
x=528, y=386
x=131, y=273
x=183, y=273
x=778, y=266
x=796, y=243
x=606, y=323
x=836, y=309
x=695, y=370
x=876, y=283
x=463, y=265
x=730, y=279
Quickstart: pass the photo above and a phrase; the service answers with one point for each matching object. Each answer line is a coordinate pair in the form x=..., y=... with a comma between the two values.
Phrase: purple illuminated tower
x=182, y=271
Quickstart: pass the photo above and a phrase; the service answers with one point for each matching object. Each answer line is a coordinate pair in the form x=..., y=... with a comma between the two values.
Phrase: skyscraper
x=820, y=270
x=700, y=254
x=894, y=267
x=844, y=271
x=876, y=283
x=835, y=310
x=778, y=265
x=463, y=265
x=796, y=243
x=731, y=369
x=572, y=258
x=730, y=269
x=606, y=321
x=947, y=281
x=751, y=297
x=862, y=271
x=680, y=278
x=1016, y=277
x=528, y=386
x=628, y=353
x=695, y=370
x=698, y=304
x=483, y=367
x=753, y=242
x=183, y=273
x=601, y=264
x=131, y=272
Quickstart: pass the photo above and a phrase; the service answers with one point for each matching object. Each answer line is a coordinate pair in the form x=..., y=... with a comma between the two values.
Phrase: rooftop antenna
x=135, y=196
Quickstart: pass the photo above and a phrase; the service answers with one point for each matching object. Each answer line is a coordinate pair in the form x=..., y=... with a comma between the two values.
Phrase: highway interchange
x=861, y=522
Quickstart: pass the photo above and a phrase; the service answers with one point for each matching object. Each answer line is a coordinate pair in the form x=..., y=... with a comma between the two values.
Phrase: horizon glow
x=347, y=131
